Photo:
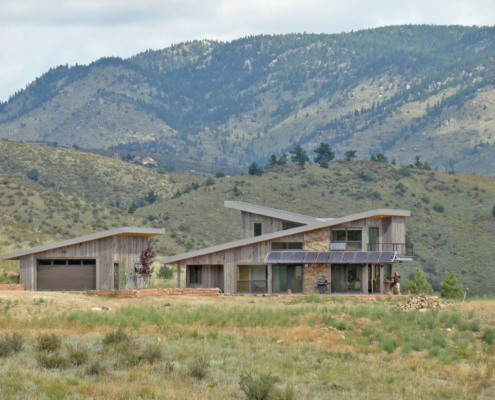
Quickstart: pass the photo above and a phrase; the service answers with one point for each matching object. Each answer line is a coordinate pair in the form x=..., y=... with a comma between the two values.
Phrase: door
x=339, y=283
x=116, y=285
x=61, y=275
x=287, y=277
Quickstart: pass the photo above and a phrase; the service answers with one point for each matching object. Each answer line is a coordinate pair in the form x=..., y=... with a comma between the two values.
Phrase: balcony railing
x=402, y=249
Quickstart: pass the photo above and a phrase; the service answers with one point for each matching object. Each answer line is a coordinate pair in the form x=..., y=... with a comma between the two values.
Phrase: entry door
x=339, y=283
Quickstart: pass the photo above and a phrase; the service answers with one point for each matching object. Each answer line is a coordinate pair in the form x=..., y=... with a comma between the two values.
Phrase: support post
x=178, y=275
x=364, y=279
x=329, y=286
x=270, y=279
x=382, y=283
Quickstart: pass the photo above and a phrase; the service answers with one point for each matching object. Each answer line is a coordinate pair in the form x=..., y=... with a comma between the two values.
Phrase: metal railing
x=402, y=249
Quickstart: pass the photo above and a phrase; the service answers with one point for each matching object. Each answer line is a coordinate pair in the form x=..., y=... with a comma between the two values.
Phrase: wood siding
x=106, y=251
x=268, y=224
x=211, y=276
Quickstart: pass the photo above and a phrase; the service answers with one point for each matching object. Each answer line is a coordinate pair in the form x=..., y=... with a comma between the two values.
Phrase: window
x=387, y=272
x=195, y=273
x=252, y=279
x=290, y=225
x=287, y=277
x=258, y=229
x=59, y=262
x=346, y=239
x=287, y=245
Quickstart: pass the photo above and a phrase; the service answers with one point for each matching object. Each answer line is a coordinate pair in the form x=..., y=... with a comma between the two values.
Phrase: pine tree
x=419, y=284
x=379, y=157
x=272, y=161
x=350, y=155
x=450, y=287
x=132, y=209
x=282, y=160
x=418, y=163
x=299, y=156
x=324, y=155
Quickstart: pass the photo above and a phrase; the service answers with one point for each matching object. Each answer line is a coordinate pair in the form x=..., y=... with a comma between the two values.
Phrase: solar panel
x=298, y=257
x=372, y=257
x=272, y=257
x=360, y=257
x=386, y=257
x=335, y=257
x=323, y=257
x=285, y=257
x=348, y=257
x=310, y=257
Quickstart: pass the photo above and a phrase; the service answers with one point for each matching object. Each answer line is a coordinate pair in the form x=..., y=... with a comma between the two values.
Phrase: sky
x=36, y=35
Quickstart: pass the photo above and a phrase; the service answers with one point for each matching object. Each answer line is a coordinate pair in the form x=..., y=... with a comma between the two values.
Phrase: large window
x=346, y=239
x=287, y=277
x=287, y=245
x=195, y=273
x=258, y=229
x=252, y=279
x=346, y=278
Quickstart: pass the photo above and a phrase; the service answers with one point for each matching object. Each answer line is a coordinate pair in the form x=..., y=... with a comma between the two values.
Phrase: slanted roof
x=125, y=231
x=379, y=213
x=273, y=212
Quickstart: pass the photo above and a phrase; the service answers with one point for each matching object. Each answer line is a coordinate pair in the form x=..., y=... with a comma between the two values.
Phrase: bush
x=33, y=175
x=450, y=287
x=52, y=361
x=220, y=174
x=438, y=208
x=152, y=353
x=404, y=171
x=48, y=343
x=493, y=211
x=96, y=368
x=419, y=284
x=116, y=337
x=165, y=272
x=11, y=344
x=257, y=387
x=489, y=336
x=78, y=355
x=210, y=181
x=199, y=369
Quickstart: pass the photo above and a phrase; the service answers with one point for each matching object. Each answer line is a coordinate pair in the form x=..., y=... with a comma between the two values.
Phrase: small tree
x=33, y=175
x=151, y=197
x=379, y=157
x=418, y=163
x=299, y=156
x=209, y=181
x=450, y=287
x=282, y=160
x=255, y=169
x=324, y=155
x=350, y=155
x=146, y=259
x=220, y=174
x=132, y=209
x=493, y=211
x=426, y=166
x=272, y=162
x=165, y=272
x=419, y=284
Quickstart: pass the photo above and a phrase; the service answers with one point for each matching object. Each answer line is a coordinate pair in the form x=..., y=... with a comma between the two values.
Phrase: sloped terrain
x=402, y=90
x=451, y=226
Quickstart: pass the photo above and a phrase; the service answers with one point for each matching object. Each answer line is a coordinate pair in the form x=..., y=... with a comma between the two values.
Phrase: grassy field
x=178, y=347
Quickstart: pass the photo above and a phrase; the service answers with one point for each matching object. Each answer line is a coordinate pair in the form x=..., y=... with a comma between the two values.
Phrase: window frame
x=196, y=269
x=343, y=245
x=287, y=246
x=251, y=281
x=260, y=226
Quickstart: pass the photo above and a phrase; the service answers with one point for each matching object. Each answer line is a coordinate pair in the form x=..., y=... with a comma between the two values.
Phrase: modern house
x=84, y=263
x=281, y=251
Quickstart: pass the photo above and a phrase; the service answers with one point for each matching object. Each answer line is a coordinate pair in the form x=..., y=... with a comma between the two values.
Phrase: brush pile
x=422, y=303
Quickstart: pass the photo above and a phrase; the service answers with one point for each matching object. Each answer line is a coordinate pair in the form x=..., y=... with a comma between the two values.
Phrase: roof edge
x=146, y=232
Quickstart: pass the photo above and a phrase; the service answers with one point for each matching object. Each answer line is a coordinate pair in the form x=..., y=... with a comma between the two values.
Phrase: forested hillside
x=400, y=90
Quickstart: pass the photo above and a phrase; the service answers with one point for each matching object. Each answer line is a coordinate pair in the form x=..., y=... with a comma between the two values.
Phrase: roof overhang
x=125, y=231
x=275, y=235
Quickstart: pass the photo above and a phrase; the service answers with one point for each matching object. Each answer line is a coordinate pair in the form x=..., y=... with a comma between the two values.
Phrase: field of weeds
x=253, y=349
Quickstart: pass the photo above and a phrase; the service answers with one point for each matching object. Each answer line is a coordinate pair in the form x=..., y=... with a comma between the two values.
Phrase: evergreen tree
x=419, y=284
x=299, y=156
x=418, y=163
x=272, y=161
x=33, y=175
x=324, y=155
x=426, y=166
x=283, y=159
x=255, y=169
x=379, y=157
x=493, y=211
x=450, y=287
x=350, y=155
x=132, y=209
x=151, y=197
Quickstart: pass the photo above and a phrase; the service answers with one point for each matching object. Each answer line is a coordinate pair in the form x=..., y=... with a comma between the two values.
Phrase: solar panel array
x=329, y=257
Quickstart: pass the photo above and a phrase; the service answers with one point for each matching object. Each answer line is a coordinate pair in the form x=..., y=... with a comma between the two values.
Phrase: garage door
x=58, y=275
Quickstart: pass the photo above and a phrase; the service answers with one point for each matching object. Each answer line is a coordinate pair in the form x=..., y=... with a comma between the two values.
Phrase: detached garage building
x=85, y=263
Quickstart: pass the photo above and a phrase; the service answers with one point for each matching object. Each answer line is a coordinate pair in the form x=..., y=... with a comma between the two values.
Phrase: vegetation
x=450, y=287
x=419, y=284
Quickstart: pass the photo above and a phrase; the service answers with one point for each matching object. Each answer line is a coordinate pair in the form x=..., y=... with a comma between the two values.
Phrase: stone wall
x=318, y=240
x=313, y=272
x=11, y=286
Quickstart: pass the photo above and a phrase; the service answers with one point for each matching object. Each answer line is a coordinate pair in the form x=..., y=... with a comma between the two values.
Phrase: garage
x=69, y=275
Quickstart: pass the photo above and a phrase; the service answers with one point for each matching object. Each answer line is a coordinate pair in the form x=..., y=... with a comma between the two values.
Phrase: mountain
x=401, y=90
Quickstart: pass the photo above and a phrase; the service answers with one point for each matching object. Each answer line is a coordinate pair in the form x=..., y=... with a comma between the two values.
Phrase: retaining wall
x=11, y=286
x=131, y=294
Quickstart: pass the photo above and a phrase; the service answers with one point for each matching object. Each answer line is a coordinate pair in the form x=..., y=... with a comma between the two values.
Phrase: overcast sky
x=38, y=34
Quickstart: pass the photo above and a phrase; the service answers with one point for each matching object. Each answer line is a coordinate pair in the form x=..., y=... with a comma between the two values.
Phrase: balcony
x=404, y=250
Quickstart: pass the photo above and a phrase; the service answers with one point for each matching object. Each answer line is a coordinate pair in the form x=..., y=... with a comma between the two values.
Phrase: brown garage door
x=58, y=275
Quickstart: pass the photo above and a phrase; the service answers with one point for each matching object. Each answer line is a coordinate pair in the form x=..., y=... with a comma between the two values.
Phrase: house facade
x=281, y=251
x=84, y=263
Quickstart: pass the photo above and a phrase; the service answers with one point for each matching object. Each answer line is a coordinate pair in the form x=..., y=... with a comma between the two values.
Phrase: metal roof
x=273, y=212
x=379, y=213
x=125, y=231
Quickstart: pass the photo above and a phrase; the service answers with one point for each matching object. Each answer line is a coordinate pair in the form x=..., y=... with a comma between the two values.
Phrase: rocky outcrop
x=421, y=303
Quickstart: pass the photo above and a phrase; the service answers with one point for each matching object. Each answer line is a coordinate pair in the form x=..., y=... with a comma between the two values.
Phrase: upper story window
x=290, y=225
x=258, y=229
x=287, y=245
x=346, y=239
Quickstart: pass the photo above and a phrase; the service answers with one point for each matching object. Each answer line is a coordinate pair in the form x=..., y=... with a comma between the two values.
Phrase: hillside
x=401, y=90
x=451, y=226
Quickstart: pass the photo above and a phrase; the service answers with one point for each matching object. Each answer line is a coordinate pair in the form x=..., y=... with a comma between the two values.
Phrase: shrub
x=199, y=369
x=489, y=336
x=152, y=353
x=450, y=287
x=438, y=208
x=52, y=361
x=419, y=284
x=220, y=174
x=33, y=175
x=210, y=181
x=11, y=344
x=96, y=368
x=493, y=211
x=404, y=171
x=425, y=199
x=165, y=272
x=48, y=343
x=257, y=387
x=117, y=337
x=78, y=355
